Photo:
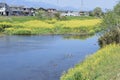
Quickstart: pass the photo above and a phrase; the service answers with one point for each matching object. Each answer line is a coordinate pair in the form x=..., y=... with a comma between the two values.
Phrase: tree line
x=111, y=26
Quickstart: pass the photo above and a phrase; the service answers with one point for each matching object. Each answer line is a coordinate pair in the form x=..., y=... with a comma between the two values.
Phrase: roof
x=51, y=9
x=14, y=6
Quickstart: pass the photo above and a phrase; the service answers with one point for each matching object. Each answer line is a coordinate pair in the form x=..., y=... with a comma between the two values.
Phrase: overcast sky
x=87, y=4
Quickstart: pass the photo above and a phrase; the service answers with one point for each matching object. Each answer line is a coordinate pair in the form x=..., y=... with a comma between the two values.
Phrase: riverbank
x=104, y=65
x=36, y=27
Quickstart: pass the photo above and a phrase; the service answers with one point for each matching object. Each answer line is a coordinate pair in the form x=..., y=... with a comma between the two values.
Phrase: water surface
x=42, y=57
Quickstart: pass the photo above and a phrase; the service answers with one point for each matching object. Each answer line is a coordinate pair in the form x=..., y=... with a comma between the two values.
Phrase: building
x=84, y=13
x=74, y=13
x=16, y=10
x=42, y=9
x=4, y=9
x=51, y=10
x=22, y=11
x=70, y=13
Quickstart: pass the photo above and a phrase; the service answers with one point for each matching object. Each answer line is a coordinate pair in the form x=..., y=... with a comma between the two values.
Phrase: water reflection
x=80, y=37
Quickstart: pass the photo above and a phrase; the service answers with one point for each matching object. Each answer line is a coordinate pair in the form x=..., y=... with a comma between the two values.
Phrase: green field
x=28, y=18
x=79, y=17
x=28, y=25
x=17, y=18
x=103, y=65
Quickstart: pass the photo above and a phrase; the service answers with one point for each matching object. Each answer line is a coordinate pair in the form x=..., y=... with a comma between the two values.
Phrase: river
x=42, y=57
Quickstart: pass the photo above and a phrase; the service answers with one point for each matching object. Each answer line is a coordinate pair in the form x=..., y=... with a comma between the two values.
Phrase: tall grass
x=104, y=65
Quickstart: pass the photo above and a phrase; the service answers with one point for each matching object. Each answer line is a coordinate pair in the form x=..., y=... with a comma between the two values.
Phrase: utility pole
x=57, y=2
x=82, y=5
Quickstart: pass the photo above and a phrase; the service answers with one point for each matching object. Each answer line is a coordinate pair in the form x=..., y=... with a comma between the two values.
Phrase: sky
x=87, y=4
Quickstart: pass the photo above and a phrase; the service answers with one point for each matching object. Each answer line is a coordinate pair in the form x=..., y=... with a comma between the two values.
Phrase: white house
x=74, y=13
x=4, y=9
x=70, y=13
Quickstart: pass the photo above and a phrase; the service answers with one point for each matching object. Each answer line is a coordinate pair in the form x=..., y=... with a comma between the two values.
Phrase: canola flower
x=79, y=23
x=102, y=65
x=52, y=26
x=37, y=24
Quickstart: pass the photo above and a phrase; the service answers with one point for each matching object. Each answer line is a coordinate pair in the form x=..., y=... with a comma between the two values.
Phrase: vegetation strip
x=104, y=65
x=32, y=27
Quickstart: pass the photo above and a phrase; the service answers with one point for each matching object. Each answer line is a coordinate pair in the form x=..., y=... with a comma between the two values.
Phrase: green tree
x=111, y=26
x=41, y=14
x=117, y=9
x=97, y=12
x=57, y=16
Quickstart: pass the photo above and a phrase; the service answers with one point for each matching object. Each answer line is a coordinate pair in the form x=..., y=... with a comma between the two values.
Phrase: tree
x=57, y=16
x=111, y=23
x=117, y=9
x=40, y=14
x=97, y=12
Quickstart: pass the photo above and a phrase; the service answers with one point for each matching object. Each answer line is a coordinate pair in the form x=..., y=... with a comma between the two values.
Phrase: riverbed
x=42, y=57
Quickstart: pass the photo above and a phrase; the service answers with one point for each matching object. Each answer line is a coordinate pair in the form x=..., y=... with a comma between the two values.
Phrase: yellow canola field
x=79, y=23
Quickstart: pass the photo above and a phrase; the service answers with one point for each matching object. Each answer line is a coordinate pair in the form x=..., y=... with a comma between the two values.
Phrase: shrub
x=113, y=36
x=9, y=30
x=21, y=31
x=4, y=25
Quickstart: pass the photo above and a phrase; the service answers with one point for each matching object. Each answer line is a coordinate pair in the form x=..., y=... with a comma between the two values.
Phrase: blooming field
x=52, y=27
x=79, y=23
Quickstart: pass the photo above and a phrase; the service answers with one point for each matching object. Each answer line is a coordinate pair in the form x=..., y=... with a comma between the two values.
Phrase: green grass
x=103, y=65
x=17, y=18
x=79, y=17
x=28, y=18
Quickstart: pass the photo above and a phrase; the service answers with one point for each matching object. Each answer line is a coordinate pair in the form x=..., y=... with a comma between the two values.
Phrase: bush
x=4, y=25
x=113, y=36
x=111, y=23
x=21, y=31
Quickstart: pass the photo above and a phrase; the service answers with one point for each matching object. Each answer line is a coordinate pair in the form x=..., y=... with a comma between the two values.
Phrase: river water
x=42, y=57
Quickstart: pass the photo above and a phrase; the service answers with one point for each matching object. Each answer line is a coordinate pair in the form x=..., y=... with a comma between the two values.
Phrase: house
x=4, y=9
x=51, y=10
x=84, y=13
x=22, y=11
x=17, y=10
x=74, y=13
x=33, y=11
x=42, y=9
x=70, y=13
x=29, y=11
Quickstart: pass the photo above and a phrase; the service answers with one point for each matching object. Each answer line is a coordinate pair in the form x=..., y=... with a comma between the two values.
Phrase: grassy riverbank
x=34, y=26
x=104, y=65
